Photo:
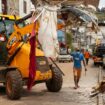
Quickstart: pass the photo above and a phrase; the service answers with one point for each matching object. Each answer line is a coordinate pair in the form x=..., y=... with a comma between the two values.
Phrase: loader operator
x=77, y=68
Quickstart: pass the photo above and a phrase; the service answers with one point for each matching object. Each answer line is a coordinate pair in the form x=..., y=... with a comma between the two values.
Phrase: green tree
x=69, y=40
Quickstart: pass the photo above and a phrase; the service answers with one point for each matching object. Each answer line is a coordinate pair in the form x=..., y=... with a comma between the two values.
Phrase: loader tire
x=55, y=84
x=13, y=85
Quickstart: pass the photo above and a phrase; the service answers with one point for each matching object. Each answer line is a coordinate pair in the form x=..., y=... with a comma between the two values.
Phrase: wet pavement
x=67, y=96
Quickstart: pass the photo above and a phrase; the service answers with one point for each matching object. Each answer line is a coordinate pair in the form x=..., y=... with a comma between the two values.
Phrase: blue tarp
x=61, y=36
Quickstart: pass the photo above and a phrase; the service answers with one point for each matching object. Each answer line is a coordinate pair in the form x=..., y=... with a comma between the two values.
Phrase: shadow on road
x=27, y=93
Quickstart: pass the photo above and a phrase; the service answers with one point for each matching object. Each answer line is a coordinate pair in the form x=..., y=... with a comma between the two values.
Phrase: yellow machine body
x=21, y=60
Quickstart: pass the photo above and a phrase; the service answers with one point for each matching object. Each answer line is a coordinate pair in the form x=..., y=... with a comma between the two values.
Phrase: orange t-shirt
x=86, y=54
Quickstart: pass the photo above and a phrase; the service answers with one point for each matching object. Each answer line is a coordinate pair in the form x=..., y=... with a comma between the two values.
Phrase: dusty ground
x=67, y=96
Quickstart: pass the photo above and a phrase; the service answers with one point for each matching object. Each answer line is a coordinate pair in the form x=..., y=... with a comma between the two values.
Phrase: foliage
x=100, y=15
x=69, y=40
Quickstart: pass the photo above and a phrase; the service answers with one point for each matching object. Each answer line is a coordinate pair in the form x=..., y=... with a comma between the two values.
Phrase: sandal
x=78, y=86
x=75, y=87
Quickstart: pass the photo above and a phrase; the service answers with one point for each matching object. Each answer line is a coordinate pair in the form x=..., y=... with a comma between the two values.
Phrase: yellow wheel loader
x=14, y=59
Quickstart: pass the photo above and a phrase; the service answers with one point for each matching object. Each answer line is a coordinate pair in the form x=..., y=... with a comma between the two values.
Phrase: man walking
x=77, y=68
x=87, y=56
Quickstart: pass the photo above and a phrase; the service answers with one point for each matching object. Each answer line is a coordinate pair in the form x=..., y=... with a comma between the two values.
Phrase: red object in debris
x=32, y=64
x=62, y=45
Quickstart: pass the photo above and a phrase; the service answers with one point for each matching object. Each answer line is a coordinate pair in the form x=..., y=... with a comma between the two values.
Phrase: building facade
x=17, y=7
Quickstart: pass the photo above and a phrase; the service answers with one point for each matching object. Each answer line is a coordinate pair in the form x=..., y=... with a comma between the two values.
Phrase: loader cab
x=7, y=24
x=6, y=29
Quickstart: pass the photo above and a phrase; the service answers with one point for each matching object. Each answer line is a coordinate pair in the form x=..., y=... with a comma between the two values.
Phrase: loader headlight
x=42, y=63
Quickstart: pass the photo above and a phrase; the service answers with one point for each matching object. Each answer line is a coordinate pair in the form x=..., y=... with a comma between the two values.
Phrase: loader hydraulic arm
x=19, y=33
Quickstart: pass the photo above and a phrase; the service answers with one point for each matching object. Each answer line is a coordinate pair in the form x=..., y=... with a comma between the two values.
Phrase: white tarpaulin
x=48, y=32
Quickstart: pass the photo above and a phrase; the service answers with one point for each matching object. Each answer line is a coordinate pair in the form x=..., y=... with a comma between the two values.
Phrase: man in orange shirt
x=87, y=56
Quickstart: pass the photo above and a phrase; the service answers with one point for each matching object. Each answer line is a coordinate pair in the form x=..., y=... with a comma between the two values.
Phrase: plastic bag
x=47, y=35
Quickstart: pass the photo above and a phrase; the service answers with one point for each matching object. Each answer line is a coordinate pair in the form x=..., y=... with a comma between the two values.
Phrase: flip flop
x=78, y=86
x=75, y=87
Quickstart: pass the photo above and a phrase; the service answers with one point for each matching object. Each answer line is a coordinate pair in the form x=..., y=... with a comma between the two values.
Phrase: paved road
x=67, y=96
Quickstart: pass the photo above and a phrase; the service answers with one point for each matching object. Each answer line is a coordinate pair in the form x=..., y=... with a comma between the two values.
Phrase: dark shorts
x=77, y=71
x=77, y=68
